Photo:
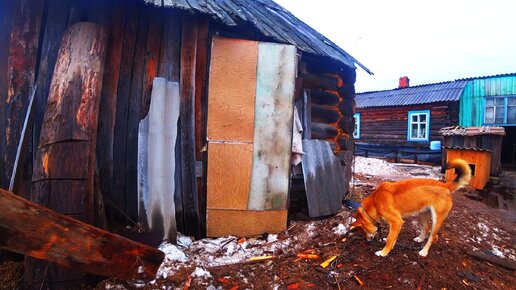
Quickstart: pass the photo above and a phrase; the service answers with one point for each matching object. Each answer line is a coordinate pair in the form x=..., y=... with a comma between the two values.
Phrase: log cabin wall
x=330, y=93
x=389, y=125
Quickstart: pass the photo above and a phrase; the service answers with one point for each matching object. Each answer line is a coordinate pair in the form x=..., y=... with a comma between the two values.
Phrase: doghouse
x=479, y=160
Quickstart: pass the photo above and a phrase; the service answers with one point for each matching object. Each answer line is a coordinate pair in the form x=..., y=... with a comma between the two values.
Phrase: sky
x=428, y=41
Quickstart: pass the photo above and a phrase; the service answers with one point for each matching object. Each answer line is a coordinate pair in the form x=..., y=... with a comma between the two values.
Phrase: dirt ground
x=471, y=226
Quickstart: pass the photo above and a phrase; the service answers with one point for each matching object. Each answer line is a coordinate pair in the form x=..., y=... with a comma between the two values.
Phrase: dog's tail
x=463, y=172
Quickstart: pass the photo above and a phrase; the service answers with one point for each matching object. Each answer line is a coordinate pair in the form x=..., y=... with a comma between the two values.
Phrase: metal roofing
x=423, y=94
x=472, y=131
x=270, y=19
x=466, y=148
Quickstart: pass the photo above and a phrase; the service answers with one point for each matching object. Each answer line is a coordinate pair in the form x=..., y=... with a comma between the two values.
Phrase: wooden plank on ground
x=187, y=125
x=229, y=175
x=232, y=89
x=324, y=178
x=222, y=222
x=275, y=84
x=31, y=229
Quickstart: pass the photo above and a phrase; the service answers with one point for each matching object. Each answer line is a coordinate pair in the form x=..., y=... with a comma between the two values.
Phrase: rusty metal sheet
x=156, y=160
x=324, y=178
x=276, y=73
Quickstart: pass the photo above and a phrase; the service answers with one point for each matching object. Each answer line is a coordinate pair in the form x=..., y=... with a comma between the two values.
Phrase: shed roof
x=423, y=94
x=270, y=19
x=472, y=131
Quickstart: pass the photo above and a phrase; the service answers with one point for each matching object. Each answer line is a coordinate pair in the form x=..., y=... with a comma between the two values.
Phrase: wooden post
x=64, y=165
x=30, y=229
x=187, y=125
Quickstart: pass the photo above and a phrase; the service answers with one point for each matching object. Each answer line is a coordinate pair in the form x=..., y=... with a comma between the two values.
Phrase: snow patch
x=200, y=272
x=340, y=229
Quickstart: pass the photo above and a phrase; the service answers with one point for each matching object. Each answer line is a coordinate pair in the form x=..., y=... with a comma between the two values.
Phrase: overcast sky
x=428, y=41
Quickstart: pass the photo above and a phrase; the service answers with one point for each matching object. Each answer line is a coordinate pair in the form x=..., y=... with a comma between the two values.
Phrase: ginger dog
x=392, y=201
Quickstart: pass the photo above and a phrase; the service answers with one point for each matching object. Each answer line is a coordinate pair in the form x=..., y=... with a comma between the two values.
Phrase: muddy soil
x=471, y=226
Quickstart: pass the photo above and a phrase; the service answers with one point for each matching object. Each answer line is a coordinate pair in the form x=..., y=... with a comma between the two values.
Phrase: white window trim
x=356, y=134
x=409, y=129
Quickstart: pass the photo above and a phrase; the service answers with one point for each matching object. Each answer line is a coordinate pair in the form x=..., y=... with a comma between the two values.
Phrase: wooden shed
x=479, y=161
x=484, y=137
x=214, y=51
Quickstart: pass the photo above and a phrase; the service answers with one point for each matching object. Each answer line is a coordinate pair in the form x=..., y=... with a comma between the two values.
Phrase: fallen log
x=31, y=229
x=506, y=263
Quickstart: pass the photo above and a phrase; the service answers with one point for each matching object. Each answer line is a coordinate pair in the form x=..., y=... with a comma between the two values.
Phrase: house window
x=418, y=125
x=356, y=132
x=500, y=111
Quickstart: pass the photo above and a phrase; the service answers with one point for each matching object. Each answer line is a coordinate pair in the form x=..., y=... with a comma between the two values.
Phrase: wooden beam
x=187, y=125
x=30, y=229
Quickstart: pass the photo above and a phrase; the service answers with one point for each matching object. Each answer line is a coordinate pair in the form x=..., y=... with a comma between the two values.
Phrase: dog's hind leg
x=424, y=222
x=438, y=217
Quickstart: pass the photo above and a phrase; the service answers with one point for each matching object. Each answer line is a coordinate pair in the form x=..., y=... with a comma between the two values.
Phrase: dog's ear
x=360, y=211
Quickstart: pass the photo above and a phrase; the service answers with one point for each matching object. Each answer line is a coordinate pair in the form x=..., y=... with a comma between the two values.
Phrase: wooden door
x=250, y=110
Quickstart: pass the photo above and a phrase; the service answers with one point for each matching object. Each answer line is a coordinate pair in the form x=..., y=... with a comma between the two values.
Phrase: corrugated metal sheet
x=324, y=178
x=466, y=148
x=431, y=93
x=472, y=131
x=156, y=160
x=472, y=102
x=270, y=19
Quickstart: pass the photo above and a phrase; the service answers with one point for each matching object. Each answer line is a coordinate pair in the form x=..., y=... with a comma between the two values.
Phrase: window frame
x=409, y=126
x=357, y=118
x=505, y=110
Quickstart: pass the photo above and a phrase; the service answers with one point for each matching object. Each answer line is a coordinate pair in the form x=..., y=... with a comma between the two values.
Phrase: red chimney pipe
x=404, y=82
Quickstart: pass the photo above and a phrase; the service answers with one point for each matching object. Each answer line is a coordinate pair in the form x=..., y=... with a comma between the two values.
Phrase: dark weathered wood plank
x=325, y=114
x=187, y=125
x=78, y=11
x=323, y=131
x=22, y=61
x=171, y=46
x=108, y=101
x=99, y=11
x=6, y=19
x=152, y=57
x=201, y=107
x=31, y=229
x=122, y=109
x=55, y=25
x=134, y=116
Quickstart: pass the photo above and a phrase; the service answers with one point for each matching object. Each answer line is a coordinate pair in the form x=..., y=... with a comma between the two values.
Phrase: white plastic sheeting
x=156, y=160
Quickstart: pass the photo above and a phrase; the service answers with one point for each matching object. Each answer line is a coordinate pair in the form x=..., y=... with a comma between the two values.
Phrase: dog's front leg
x=394, y=230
